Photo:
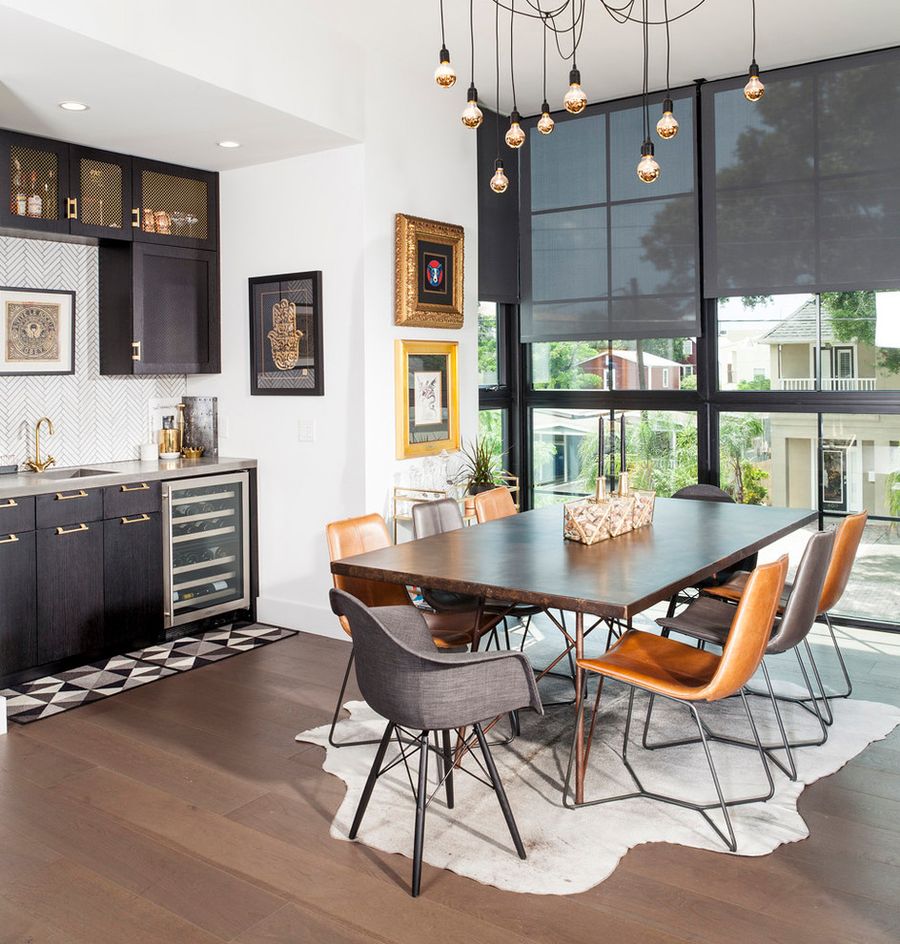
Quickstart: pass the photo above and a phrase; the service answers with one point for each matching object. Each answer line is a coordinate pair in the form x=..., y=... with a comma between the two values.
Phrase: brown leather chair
x=669, y=669
x=846, y=545
x=353, y=536
x=494, y=504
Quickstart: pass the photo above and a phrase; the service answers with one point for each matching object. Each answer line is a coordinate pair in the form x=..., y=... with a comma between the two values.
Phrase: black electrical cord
x=512, y=70
x=668, y=47
x=443, y=40
x=646, y=31
x=497, y=51
x=753, y=28
x=472, y=40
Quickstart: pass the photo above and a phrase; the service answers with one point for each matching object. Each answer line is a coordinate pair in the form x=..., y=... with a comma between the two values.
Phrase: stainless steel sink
x=73, y=473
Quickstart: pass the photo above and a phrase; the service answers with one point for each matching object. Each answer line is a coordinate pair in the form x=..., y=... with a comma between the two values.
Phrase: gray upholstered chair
x=419, y=690
x=709, y=620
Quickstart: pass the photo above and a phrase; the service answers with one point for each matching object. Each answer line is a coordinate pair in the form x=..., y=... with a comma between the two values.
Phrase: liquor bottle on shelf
x=35, y=203
x=19, y=201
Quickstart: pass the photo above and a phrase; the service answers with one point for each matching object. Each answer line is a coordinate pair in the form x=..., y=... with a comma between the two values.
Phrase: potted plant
x=481, y=469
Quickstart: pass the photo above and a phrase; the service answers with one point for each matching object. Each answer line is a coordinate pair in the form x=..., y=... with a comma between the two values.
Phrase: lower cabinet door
x=69, y=591
x=18, y=604
x=133, y=578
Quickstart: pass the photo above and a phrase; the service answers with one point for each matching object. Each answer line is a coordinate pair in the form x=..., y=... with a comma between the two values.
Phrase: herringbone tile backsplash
x=96, y=419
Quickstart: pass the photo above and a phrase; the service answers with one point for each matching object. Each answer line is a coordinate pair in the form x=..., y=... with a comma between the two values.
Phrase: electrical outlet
x=306, y=431
x=224, y=427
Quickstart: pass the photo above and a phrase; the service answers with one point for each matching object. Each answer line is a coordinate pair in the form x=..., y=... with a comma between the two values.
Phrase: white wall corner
x=308, y=618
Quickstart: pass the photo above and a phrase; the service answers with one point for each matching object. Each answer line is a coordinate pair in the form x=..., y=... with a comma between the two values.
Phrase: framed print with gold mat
x=37, y=331
x=427, y=395
x=286, y=350
x=429, y=276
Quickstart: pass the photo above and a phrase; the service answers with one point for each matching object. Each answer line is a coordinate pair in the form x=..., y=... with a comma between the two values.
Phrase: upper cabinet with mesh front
x=52, y=187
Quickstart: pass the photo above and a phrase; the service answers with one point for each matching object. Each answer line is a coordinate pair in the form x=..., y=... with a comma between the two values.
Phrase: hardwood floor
x=184, y=812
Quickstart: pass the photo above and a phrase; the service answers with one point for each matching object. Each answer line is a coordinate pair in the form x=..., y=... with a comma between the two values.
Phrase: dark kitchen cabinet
x=18, y=602
x=99, y=202
x=133, y=580
x=69, y=591
x=159, y=310
x=35, y=183
x=176, y=206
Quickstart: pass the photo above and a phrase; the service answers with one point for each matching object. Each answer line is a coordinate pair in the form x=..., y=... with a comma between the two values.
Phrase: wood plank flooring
x=185, y=812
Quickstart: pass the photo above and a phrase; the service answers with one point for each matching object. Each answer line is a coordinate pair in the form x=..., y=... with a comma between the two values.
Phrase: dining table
x=524, y=559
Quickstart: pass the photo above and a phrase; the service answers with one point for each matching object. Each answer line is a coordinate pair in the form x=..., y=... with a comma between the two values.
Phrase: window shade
x=802, y=189
x=602, y=254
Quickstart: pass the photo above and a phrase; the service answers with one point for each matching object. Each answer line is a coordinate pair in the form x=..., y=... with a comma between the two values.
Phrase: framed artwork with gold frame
x=286, y=350
x=429, y=277
x=427, y=392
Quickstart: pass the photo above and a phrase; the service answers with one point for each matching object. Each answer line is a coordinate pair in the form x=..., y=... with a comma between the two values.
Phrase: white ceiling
x=137, y=106
x=712, y=42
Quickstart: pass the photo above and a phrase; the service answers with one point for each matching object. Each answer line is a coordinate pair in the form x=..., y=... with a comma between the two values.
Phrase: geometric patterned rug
x=52, y=694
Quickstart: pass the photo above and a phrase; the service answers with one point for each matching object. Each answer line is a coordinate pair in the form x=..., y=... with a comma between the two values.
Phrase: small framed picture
x=37, y=331
x=429, y=276
x=286, y=350
x=427, y=398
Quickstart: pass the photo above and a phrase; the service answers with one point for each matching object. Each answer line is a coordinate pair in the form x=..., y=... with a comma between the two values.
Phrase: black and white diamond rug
x=52, y=694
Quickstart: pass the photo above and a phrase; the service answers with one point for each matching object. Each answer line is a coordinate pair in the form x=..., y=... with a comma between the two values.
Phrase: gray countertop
x=119, y=473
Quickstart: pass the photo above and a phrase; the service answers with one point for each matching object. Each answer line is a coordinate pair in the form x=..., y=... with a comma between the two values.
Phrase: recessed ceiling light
x=73, y=106
x=229, y=144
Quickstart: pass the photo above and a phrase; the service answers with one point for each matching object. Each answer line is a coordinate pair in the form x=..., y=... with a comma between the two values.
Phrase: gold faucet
x=36, y=464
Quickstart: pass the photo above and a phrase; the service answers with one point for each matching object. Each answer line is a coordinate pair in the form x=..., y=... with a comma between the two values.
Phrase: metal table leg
x=579, y=714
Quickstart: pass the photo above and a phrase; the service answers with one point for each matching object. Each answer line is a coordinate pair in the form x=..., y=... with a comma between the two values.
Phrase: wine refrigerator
x=206, y=547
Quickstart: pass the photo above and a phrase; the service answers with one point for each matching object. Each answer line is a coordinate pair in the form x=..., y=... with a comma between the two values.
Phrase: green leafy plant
x=481, y=463
x=892, y=493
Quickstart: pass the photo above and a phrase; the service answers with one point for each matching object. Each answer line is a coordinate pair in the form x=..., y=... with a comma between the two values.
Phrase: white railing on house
x=841, y=384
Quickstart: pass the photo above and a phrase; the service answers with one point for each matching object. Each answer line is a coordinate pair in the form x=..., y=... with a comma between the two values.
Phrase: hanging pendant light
x=499, y=182
x=754, y=89
x=575, y=101
x=472, y=115
x=648, y=168
x=444, y=74
x=667, y=126
x=515, y=136
x=545, y=123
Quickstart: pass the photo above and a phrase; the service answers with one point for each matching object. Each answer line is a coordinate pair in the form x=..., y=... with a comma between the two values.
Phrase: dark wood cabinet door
x=34, y=183
x=18, y=607
x=69, y=591
x=100, y=194
x=133, y=578
x=176, y=206
x=176, y=310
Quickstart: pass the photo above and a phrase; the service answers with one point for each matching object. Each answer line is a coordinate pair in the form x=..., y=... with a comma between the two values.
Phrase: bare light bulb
x=444, y=74
x=499, y=182
x=647, y=169
x=545, y=123
x=472, y=115
x=515, y=136
x=575, y=100
x=754, y=89
x=667, y=126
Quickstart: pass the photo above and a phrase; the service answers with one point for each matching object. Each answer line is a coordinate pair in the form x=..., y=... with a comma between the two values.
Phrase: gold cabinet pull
x=10, y=503
x=134, y=488
x=9, y=539
x=81, y=493
x=137, y=519
x=78, y=528
x=71, y=208
x=136, y=218
x=135, y=350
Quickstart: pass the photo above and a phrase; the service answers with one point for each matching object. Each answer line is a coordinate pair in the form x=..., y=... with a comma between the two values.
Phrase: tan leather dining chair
x=669, y=669
x=846, y=545
x=494, y=504
x=353, y=536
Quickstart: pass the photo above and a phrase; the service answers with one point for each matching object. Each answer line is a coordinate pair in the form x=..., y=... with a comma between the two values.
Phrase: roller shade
x=602, y=254
x=802, y=189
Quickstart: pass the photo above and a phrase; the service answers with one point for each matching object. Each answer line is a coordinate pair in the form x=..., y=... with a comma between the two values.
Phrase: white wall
x=296, y=215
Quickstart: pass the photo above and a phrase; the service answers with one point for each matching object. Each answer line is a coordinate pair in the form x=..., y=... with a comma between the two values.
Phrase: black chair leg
x=421, y=802
x=448, y=768
x=370, y=782
x=501, y=793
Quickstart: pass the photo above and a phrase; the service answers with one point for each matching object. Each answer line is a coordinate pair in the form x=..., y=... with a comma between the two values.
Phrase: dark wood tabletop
x=524, y=558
